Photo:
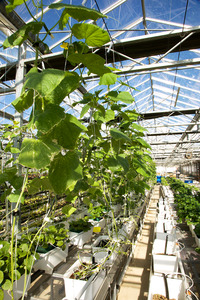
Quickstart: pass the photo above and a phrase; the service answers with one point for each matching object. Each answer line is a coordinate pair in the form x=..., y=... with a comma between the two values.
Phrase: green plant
x=80, y=225
x=97, y=212
x=11, y=270
x=188, y=207
x=104, y=159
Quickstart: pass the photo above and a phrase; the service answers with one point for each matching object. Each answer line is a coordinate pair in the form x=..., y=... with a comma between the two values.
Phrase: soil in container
x=84, y=271
x=160, y=297
x=103, y=244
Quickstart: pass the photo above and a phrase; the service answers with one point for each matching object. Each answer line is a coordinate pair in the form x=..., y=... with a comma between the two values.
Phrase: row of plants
x=188, y=206
x=187, y=198
x=101, y=160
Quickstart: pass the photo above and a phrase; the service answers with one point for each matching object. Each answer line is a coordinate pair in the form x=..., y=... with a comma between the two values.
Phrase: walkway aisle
x=135, y=283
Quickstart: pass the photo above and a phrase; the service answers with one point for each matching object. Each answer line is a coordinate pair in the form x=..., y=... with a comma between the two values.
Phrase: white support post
x=18, y=117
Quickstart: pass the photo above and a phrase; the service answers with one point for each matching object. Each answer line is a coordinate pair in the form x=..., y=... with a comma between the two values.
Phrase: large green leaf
x=124, y=97
x=119, y=135
x=52, y=84
x=66, y=132
x=36, y=153
x=79, y=13
x=17, y=38
x=65, y=171
x=92, y=61
x=24, y=101
x=108, y=79
x=52, y=116
x=94, y=36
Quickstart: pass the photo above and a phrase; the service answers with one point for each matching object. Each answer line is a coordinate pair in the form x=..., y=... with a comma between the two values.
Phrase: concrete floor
x=135, y=283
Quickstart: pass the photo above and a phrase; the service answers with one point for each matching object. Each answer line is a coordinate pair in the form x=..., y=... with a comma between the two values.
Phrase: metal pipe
x=172, y=125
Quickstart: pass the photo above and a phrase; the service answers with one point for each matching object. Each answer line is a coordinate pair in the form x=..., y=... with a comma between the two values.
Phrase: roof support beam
x=175, y=142
x=172, y=125
x=169, y=113
x=172, y=133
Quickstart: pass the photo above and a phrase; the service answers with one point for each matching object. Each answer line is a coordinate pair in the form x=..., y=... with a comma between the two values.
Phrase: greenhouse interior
x=100, y=156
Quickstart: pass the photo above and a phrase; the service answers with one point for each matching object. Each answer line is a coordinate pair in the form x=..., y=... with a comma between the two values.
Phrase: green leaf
x=79, y=13
x=142, y=172
x=123, y=162
x=29, y=263
x=125, y=97
x=143, y=143
x=14, y=198
x=94, y=36
x=108, y=79
x=84, y=110
x=113, y=164
x=36, y=153
x=24, y=101
x=68, y=210
x=7, y=285
x=52, y=116
x=13, y=4
x=17, y=38
x=94, y=130
x=24, y=247
x=70, y=168
x=119, y=135
x=66, y=132
x=52, y=84
x=1, y=276
x=92, y=61
x=60, y=243
x=5, y=194
x=138, y=127
x=109, y=115
x=63, y=19
x=98, y=116
x=14, y=150
x=1, y=294
x=39, y=184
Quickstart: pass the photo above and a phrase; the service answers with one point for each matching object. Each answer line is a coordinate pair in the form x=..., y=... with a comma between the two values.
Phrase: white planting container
x=18, y=288
x=165, y=263
x=165, y=226
x=164, y=255
x=79, y=239
x=176, y=287
x=74, y=287
x=101, y=223
x=48, y=261
x=101, y=254
x=167, y=243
